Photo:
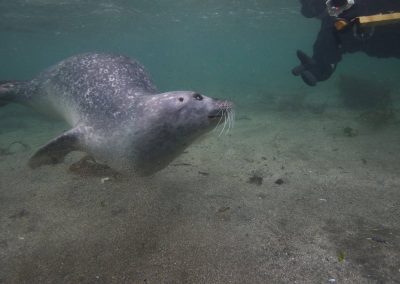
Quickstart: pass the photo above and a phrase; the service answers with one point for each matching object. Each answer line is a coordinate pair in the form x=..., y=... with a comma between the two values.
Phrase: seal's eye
x=180, y=99
x=198, y=97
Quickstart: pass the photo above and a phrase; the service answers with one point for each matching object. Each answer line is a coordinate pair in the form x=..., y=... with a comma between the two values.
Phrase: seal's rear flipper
x=55, y=151
x=7, y=91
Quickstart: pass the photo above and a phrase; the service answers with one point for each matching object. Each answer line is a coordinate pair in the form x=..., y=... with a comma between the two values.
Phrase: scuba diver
x=348, y=26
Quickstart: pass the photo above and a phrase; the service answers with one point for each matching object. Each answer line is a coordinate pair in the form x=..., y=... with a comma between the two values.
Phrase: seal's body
x=115, y=112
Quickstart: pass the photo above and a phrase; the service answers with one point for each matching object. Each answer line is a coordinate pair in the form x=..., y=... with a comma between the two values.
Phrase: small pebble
x=332, y=280
x=378, y=239
x=103, y=180
x=223, y=209
x=279, y=181
x=255, y=180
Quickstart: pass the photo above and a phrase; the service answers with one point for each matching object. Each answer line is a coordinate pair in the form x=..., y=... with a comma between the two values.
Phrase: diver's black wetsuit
x=380, y=41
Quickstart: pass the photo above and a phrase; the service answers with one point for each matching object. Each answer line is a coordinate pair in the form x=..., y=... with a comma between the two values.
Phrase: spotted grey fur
x=116, y=113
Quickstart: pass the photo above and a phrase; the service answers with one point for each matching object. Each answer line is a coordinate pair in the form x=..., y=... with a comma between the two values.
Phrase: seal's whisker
x=226, y=117
x=230, y=118
x=226, y=122
x=233, y=114
x=220, y=119
x=223, y=128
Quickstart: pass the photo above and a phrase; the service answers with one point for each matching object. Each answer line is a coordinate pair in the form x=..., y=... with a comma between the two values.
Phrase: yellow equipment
x=369, y=21
x=378, y=20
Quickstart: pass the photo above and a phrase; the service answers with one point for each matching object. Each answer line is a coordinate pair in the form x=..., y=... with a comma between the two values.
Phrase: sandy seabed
x=286, y=197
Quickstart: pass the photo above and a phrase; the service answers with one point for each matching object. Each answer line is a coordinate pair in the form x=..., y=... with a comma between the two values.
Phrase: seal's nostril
x=181, y=99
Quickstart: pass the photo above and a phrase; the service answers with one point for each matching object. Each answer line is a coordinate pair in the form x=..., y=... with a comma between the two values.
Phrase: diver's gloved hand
x=307, y=69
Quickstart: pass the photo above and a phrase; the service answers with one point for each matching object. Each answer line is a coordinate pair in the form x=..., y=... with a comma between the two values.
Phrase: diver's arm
x=327, y=53
x=325, y=57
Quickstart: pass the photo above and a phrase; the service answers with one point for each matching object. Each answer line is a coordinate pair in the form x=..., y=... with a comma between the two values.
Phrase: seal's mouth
x=215, y=117
x=221, y=111
x=223, y=114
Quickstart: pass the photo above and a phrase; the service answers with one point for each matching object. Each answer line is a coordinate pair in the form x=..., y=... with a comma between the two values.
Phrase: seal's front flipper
x=55, y=151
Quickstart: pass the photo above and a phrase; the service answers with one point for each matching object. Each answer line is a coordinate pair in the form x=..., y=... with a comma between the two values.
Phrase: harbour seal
x=116, y=113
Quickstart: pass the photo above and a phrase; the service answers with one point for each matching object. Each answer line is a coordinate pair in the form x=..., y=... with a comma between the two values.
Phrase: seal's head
x=172, y=122
x=190, y=111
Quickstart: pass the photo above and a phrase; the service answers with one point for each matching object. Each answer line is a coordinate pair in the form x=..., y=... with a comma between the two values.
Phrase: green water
x=233, y=47
x=201, y=220
x=241, y=48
